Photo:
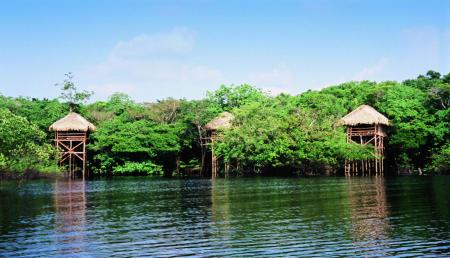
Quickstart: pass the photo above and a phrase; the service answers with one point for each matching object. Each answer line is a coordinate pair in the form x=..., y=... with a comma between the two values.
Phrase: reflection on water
x=369, y=216
x=369, y=213
x=369, y=209
x=70, y=215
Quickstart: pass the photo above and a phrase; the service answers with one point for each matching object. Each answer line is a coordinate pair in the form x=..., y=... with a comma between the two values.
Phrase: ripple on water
x=239, y=217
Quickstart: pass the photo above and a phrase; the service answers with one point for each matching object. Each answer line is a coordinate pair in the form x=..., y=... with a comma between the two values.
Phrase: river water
x=317, y=216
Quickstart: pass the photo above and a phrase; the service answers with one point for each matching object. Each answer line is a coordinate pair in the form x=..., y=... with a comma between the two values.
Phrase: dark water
x=237, y=217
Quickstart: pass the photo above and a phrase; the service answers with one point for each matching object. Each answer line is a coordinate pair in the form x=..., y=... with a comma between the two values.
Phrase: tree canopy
x=298, y=133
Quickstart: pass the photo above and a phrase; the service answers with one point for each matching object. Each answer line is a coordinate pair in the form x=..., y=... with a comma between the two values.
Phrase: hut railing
x=362, y=131
x=70, y=136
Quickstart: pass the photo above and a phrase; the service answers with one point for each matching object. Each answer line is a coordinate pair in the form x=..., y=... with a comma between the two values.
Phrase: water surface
x=368, y=216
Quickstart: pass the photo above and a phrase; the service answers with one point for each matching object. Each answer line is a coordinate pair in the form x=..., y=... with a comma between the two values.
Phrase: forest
x=294, y=134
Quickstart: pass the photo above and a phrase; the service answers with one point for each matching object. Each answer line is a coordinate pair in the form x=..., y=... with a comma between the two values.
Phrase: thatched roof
x=72, y=122
x=222, y=121
x=364, y=114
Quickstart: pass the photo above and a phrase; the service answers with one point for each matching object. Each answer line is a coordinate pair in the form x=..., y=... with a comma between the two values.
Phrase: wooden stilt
x=84, y=161
x=71, y=135
x=365, y=166
x=74, y=153
x=346, y=170
x=366, y=135
x=376, y=154
x=70, y=160
x=213, y=159
x=227, y=169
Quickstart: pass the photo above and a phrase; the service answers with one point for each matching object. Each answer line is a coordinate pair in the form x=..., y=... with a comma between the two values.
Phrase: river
x=309, y=216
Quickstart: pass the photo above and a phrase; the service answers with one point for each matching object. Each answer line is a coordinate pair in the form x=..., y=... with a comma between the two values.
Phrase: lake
x=309, y=216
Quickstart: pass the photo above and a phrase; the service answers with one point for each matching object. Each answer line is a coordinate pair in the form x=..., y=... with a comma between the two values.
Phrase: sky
x=152, y=50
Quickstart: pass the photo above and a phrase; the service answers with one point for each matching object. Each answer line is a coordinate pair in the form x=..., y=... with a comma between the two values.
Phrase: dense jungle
x=294, y=134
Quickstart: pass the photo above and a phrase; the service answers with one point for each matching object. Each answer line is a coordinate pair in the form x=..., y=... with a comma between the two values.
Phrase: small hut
x=221, y=122
x=366, y=126
x=71, y=137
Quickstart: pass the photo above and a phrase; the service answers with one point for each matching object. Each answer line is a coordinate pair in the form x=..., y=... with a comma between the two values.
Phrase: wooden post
x=376, y=156
x=346, y=167
x=366, y=135
x=73, y=147
x=227, y=169
x=347, y=164
x=213, y=159
x=365, y=166
x=70, y=160
x=84, y=157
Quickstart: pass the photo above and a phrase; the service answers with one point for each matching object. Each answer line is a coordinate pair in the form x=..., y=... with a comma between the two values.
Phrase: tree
x=118, y=145
x=290, y=133
x=195, y=114
x=287, y=133
x=70, y=94
x=23, y=145
x=433, y=75
x=229, y=97
x=164, y=111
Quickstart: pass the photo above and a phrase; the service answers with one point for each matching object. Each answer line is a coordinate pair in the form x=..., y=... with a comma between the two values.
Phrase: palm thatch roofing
x=365, y=115
x=222, y=121
x=72, y=122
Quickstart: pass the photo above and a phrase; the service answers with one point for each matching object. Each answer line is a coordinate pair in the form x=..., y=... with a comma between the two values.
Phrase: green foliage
x=287, y=132
x=117, y=143
x=404, y=107
x=299, y=132
x=22, y=144
x=70, y=94
x=164, y=111
x=147, y=168
x=191, y=164
x=229, y=97
x=41, y=112
x=3, y=162
x=440, y=159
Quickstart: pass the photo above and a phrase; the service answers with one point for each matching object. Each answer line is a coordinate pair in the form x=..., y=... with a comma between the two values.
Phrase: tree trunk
x=202, y=148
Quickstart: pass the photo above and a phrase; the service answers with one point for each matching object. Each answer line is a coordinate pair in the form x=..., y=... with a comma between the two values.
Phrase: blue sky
x=157, y=49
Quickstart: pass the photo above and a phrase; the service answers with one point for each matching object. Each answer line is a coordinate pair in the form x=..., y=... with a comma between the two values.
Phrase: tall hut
x=71, y=137
x=366, y=126
x=213, y=128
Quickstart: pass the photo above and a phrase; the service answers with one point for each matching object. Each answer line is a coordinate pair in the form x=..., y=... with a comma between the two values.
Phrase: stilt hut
x=71, y=137
x=213, y=129
x=366, y=126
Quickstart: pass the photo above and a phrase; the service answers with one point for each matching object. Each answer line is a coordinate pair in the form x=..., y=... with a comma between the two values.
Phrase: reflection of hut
x=366, y=126
x=71, y=136
x=221, y=209
x=70, y=215
x=369, y=213
x=213, y=129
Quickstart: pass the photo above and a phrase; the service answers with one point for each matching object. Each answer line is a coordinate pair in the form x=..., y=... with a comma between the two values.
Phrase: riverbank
x=301, y=132
x=29, y=175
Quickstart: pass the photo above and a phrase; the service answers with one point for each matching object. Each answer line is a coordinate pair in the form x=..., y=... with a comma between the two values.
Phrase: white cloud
x=279, y=79
x=151, y=67
x=422, y=49
x=107, y=89
x=176, y=41
x=155, y=66
x=372, y=72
